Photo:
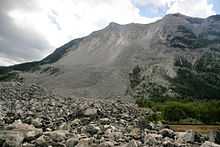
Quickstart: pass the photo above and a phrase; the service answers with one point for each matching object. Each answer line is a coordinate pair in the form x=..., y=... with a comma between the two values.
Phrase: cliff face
x=177, y=56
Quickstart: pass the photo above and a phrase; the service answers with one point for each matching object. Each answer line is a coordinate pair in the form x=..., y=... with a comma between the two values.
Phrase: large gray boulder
x=188, y=136
x=209, y=144
x=29, y=131
x=90, y=112
x=72, y=142
x=13, y=139
x=58, y=135
x=167, y=133
x=132, y=143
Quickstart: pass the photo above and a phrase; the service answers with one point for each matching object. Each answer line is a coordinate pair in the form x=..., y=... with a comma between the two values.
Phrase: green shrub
x=8, y=76
x=184, y=110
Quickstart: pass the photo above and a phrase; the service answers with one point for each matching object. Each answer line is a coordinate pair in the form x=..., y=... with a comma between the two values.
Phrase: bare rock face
x=174, y=48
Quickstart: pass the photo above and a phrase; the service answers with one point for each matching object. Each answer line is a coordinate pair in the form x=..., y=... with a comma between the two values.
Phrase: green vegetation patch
x=183, y=111
x=8, y=76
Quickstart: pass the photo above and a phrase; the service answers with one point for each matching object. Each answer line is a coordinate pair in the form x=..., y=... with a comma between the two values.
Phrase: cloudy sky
x=31, y=29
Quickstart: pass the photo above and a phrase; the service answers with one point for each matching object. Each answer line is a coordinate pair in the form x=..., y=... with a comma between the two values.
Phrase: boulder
x=209, y=144
x=105, y=121
x=214, y=136
x=42, y=141
x=64, y=126
x=2, y=140
x=136, y=133
x=167, y=133
x=28, y=145
x=106, y=144
x=13, y=139
x=92, y=129
x=58, y=135
x=37, y=122
x=75, y=122
x=32, y=134
x=90, y=112
x=84, y=143
x=29, y=132
x=168, y=144
x=188, y=136
x=72, y=142
x=152, y=139
x=217, y=137
x=132, y=143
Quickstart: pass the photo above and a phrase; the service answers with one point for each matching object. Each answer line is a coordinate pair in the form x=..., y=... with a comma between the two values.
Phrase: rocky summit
x=57, y=122
x=147, y=60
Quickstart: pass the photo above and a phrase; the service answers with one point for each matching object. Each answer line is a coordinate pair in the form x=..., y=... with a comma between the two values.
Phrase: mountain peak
x=113, y=25
x=214, y=17
x=175, y=15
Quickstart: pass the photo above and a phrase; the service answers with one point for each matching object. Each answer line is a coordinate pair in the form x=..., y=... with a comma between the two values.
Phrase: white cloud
x=60, y=21
x=198, y=8
x=154, y=3
x=7, y=61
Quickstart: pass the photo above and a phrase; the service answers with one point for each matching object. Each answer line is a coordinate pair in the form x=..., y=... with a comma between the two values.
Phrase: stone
x=36, y=123
x=90, y=112
x=152, y=139
x=92, y=129
x=64, y=126
x=106, y=144
x=32, y=134
x=72, y=142
x=42, y=141
x=168, y=143
x=105, y=121
x=116, y=135
x=2, y=140
x=84, y=143
x=188, y=136
x=167, y=133
x=198, y=138
x=136, y=133
x=13, y=139
x=27, y=120
x=58, y=135
x=209, y=144
x=108, y=132
x=29, y=131
x=28, y=145
x=57, y=144
x=75, y=122
x=132, y=144
x=217, y=137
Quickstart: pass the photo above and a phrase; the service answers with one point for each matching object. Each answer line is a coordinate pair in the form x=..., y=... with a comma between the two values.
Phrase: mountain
x=177, y=56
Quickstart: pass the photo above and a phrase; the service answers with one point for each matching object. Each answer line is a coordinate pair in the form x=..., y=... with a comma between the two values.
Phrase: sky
x=32, y=29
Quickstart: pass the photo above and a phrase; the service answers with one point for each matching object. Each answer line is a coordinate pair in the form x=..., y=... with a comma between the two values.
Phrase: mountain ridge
x=116, y=24
x=141, y=60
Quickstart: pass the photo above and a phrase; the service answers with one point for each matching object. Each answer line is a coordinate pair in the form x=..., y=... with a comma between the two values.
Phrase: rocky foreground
x=29, y=120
